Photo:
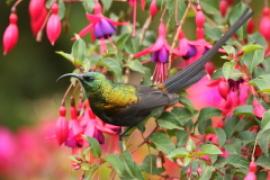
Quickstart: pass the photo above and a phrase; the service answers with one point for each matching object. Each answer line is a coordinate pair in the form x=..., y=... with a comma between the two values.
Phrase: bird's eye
x=88, y=78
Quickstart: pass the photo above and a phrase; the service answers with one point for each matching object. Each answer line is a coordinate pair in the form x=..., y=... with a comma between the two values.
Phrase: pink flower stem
x=134, y=18
x=254, y=149
x=14, y=7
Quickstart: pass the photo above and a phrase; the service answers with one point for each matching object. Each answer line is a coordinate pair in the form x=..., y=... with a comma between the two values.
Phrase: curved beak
x=78, y=76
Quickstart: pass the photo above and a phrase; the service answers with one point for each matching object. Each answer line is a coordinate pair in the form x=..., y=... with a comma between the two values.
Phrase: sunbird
x=127, y=105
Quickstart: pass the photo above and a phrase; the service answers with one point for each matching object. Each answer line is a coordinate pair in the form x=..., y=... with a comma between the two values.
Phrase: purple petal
x=191, y=52
x=107, y=28
x=98, y=31
x=163, y=55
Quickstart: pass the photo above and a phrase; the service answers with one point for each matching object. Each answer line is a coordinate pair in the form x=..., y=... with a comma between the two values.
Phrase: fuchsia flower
x=251, y=175
x=38, y=13
x=61, y=130
x=153, y=10
x=86, y=124
x=100, y=27
x=54, y=26
x=191, y=51
x=159, y=51
x=223, y=7
x=265, y=23
x=11, y=34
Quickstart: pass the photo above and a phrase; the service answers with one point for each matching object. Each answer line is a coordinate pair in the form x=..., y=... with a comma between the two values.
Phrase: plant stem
x=14, y=7
x=178, y=32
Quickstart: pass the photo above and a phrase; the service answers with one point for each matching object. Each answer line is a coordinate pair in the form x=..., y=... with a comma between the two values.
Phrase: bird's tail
x=195, y=71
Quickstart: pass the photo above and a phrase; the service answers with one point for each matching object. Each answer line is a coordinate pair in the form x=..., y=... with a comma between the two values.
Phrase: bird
x=127, y=105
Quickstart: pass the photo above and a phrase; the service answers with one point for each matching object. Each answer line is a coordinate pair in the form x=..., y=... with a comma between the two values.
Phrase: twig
x=145, y=27
x=178, y=32
x=66, y=94
x=254, y=149
x=14, y=7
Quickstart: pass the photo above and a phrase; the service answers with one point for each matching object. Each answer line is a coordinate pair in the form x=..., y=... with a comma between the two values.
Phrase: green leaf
x=136, y=65
x=178, y=152
x=221, y=136
x=124, y=166
x=149, y=165
x=265, y=123
x=94, y=145
x=88, y=5
x=204, y=118
x=212, y=32
x=229, y=49
x=177, y=118
x=67, y=56
x=162, y=142
x=116, y=163
x=230, y=72
x=253, y=58
x=236, y=11
x=113, y=65
x=244, y=110
x=257, y=38
x=207, y=173
x=210, y=149
x=78, y=51
x=210, y=7
x=264, y=162
x=262, y=83
x=249, y=48
x=238, y=162
x=62, y=9
x=182, y=137
x=106, y=3
x=263, y=138
x=132, y=169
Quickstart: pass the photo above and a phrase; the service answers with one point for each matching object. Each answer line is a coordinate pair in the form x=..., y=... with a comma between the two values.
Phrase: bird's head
x=91, y=81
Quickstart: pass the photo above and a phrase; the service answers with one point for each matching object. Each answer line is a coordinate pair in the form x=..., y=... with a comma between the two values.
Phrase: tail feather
x=181, y=79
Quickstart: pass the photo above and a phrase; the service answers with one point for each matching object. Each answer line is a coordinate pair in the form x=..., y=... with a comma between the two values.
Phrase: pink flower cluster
x=83, y=122
x=30, y=153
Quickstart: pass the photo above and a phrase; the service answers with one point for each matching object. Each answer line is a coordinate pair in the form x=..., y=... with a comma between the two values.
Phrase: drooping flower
x=62, y=129
x=223, y=7
x=38, y=13
x=265, y=23
x=159, y=51
x=153, y=9
x=100, y=27
x=54, y=26
x=11, y=34
x=250, y=26
x=251, y=175
x=191, y=51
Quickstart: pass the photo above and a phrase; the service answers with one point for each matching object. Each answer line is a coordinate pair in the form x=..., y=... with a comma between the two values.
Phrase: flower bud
x=153, y=8
x=223, y=7
x=265, y=23
x=35, y=9
x=250, y=26
x=200, y=19
x=62, y=128
x=251, y=173
x=11, y=34
x=54, y=25
x=209, y=68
